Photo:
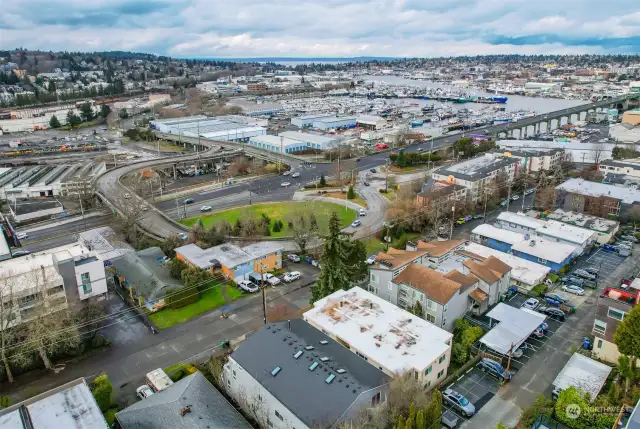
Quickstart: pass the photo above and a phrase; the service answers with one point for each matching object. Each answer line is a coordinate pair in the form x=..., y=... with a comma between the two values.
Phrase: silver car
x=459, y=402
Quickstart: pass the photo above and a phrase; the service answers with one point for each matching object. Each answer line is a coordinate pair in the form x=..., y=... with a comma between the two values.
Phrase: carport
x=583, y=373
x=514, y=326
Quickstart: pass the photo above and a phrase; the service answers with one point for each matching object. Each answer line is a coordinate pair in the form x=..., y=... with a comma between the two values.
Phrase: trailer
x=158, y=380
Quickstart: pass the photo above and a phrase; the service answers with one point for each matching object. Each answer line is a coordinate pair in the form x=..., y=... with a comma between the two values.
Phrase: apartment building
x=385, y=336
x=535, y=160
x=605, y=229
x=597, y=199
x=628, y=167
x=56, y=279
x=478, y=174
x=440, y=194
x=292, y=375
x=613, y=305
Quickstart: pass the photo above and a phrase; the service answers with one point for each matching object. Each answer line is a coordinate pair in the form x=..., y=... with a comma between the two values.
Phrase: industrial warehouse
x=294, y=141
x=219, y=128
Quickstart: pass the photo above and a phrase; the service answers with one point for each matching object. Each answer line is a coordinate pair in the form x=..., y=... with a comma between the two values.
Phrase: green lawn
x=390, y=194
x=374, y=245
x=279, y=211
x=210, y=299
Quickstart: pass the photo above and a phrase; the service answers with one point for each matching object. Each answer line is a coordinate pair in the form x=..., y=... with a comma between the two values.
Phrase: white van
x=362, y=212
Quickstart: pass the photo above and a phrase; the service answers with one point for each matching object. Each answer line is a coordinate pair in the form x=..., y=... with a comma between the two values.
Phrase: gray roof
x=477, y=168
x=209, y=409
x=304, y=392
x=611, y=162
x=149, y=277
x=227, y=254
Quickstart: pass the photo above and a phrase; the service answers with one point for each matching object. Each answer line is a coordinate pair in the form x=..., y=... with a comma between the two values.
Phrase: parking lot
x=605, y=261
x=477, y=387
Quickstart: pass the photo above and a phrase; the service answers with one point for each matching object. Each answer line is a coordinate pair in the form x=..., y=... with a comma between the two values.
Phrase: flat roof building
x=293, y=141
x=583, y=373
x=70, y=406
x=308, y=120
x=251, y=108
x=605, y=229
x=597, y=199
x=629, y=167
x=215, y=128
x=293, y=375
x=386, y=336
x=535, y=160
x=514, y=326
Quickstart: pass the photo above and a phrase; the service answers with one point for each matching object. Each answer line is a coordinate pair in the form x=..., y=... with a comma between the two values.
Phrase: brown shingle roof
x=438, y=248
x=497, y=266
x=479, y=295
x=436, y=286
x=465, y=280
x=470, y=255
x=397, y=258
x=481, y=271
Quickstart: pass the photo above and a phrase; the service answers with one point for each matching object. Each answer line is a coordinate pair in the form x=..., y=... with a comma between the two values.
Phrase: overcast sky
x=323, y=28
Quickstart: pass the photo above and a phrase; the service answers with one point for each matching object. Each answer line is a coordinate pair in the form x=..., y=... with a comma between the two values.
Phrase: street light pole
x=453, y=213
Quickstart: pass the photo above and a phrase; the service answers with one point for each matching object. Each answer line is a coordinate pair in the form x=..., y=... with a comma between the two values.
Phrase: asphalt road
x=59, y=235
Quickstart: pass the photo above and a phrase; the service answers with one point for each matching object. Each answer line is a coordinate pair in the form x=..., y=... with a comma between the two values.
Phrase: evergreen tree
x=401, y=424
x=86, y=112
x=351, y=193
x=52, y=87
x=420, y=421
x=123, y=114
x=337, y=269
x=54, y=122
x=412, y=416
x=418, y=310
x=73, y=120
x=323, y=181
x=105, y=110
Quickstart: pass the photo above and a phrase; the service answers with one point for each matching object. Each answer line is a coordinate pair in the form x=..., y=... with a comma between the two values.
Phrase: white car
x=515, y=197
x=531, y=304
x=295, y=175
x=356, y=223
x=371, y=260
x=144, y=207
x=183, y=235
x=286, y=173
x=292, y=276
x=529, y=191
x=248, y=286
x=285, y=184
x=206, y=208
x=293, y=257
x=362, y=212
x=21, y=235
x=576, y=290
x=271, y=279
x=127, y=195
x=144, y=391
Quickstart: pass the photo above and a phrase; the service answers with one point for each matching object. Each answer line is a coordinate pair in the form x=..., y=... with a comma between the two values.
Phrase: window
x=376, y=399
x=599, y=327
x=269, y=423
x=416, y=375
x=86, y=288
x=362, y=356
x=390, y=285
x=234, y=373
x=374, y=278
x=542, y=261
x=84, y=277
x=432, y=305
x=278, y=415
x=430, y=318
x=615, y=313
x=428, y=370
x=441, y=373
x=599, y=344
x=442, y=358
x=55, y=290
x=427, y=384
x=396, y=272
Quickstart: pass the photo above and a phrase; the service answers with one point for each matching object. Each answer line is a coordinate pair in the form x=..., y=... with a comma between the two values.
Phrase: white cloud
x=263, y=28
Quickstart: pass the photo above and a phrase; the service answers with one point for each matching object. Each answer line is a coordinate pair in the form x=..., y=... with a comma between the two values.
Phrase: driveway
x=477, y=386
x=124, y=327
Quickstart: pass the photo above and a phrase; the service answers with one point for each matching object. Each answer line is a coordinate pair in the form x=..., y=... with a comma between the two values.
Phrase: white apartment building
x=628, y=167
x=535, y=160
x=605, y=229
x=477, y=174
x=387, y=337
x=57, y=278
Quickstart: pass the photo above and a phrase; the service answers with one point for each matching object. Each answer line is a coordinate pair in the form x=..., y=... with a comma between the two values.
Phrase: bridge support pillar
x=523, y=133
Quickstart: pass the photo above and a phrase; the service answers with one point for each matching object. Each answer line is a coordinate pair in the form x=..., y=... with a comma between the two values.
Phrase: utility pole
x=453, y=217
x=508, y=194
x=484, y=218
x=264, y=299
x=249, y=196
x=84, y=223
x=524, y=195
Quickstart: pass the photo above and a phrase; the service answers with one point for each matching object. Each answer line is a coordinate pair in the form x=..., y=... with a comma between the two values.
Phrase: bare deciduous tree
x=304, y=228
x=7, y=316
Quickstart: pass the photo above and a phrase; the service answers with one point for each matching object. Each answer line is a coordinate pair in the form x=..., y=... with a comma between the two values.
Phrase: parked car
x=144, y=207
x=593, y=270
x=573, y=280
x=206, y=208
x=21, y=235
x=576, y=290
x=531, y=304
x=468, y=218
x=631, y=238
x=371, y=259
x=365, y=183
x=478, y=216
x=504, y=203
x=589, y=283
x=449, y=419
x=362, y=212
x=460, y=221
x=189, y=201
x=293, y=257
x=515, y=197
x=144, y=391
x=356, y=223
x=520, y=351
x=127, y=195
x=584, y=274
x=19, y=253
x=295, y=175
x=248, y=286
x=609, y=248
x=494, y=368
x=529, y=191
x=556, y=297
x=183, y=236
x=373, y=170
x=285, y=184
x=271, y=279
x=292, y=276
x=555, y=313
x=286, y=173
x=458, y=402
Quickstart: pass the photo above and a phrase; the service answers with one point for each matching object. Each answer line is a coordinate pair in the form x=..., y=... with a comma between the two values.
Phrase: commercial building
x=191, y=403
x=575, y=151
x=52, y=280
x=371, y=122
x=208, y=128
x=292, y=375
x=235, y=263
x=535, y=160
x=387, y=337
x=613, y=306
x=293, y=141
x=337, y=122
x=33, y=210
x=605, y=229
x=478, y=174
x=71, y=405
x=532, y=248
x=551, y=230
x=597, y=199
x=251, y=108
x=308, y=120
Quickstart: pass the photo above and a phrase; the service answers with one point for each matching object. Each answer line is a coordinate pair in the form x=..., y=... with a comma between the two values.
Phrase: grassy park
x=283, y=211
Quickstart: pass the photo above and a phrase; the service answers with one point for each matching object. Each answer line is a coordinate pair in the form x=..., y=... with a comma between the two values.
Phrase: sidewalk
x=126, y=366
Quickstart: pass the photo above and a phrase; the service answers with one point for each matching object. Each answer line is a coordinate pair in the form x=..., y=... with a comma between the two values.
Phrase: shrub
x=539, y=289
x=5, y=401
x=99, y=341
x=177, y=298
x=351, y=193
x=102, y=390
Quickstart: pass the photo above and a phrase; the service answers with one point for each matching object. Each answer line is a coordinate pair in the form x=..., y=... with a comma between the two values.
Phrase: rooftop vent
x=324, y=359
x=298, y=354
x=324, y=342
x=330, y=378
x=185, y=410
x=308, y=347
x=313, y=366
x=275, y=371
x=532, y=243
x=341, y=371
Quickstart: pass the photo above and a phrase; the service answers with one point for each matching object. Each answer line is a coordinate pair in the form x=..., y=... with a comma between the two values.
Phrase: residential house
x=146, y=273
x=190, y=403
x=387, y=337
x=70, y=405
x=613, y=305
x=236, y=263
x=292, y=375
